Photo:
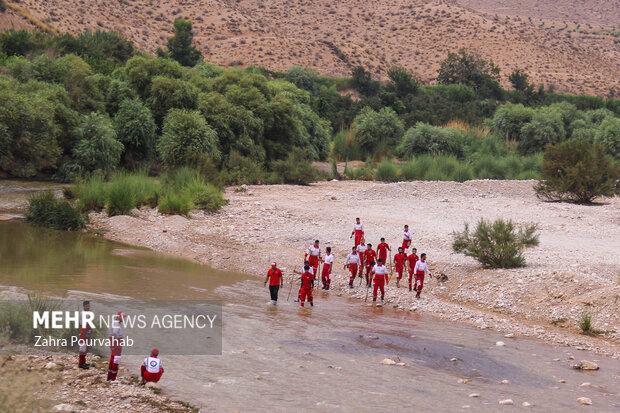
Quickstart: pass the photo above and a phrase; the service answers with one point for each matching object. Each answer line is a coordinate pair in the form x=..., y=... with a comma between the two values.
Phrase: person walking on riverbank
x=115, y=333
x=305, y=290
x=274, y=276
x=327, y=268
x=85, y=333
x=380, y=276
x=400, y=261
x=382, y=250
x=412, y=259
x=371, y=260
x=407, y=238
x=314, y=256
x=151, y=368
x=358, y=232
x=352, y=263
x=421, y=269
x=361, y=251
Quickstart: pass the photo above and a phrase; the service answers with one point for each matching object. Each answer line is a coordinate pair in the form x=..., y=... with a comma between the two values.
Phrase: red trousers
x=378, y=285
x=353, y=269
x=358, y=237
x=361, y=268
x=314, y=263
x=303, y=293
x=152, y=377
x=325, y=276
x=410, y=278
x=399, y=272
x=115, y=360
x=419, y=281
x=368, y=269
x=405, y=245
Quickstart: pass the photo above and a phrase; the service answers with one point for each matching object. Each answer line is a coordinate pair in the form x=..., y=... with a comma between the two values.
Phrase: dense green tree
x=577, y=170
x=139, y=71
x=98, y=148
x=117, y=91
x=378, y=132
x=424, y=138
x=401, y=82
x=135, y=128
x=186, y=139
x=180, y=46
x=546, y=127
x=469, y=68
x=303, y=78
x=608, y=134
x=509, y=119
x=361, y=80
x=167, y=93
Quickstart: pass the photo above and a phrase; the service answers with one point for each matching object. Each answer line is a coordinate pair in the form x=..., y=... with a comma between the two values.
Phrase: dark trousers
x=273, y=290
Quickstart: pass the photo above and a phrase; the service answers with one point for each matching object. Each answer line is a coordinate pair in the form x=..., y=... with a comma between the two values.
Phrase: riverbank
x=53, y=382
x=574, y=269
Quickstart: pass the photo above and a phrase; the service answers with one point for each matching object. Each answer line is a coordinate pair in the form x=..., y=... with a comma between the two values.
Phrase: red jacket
x=370, y=256
x=306, y=280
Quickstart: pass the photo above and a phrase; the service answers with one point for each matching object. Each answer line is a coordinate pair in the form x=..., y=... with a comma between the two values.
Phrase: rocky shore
x=574, y=270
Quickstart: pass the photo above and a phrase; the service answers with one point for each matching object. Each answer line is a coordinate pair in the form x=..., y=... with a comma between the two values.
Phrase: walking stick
x=391, y=267
x=368, y=288
x=292, y=279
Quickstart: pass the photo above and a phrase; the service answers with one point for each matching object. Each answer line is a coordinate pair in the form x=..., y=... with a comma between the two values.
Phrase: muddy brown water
x=327, y=358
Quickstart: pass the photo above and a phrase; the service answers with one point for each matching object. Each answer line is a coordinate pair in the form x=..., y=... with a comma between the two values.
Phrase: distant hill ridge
x=333, y=37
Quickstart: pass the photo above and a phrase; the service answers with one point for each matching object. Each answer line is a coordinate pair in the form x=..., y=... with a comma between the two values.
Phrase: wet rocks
x=500, y=344
x=474, y=395
x=586, y=365
x=388, y=362
x=585, y=400
x=64, y=407
x=506, y=402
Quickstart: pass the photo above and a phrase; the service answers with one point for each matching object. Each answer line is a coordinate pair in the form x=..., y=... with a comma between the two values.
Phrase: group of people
x=151, y=369
x=362, y=257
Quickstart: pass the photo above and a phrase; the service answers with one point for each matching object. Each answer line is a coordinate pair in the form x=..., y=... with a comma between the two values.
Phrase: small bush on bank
x=585, y=323
x=120, y=199
x=91, y=194
x=386, y=171
x=577, y=170
x=175, y=203
x=205, y=196
x=45, y=210
x=296, y=169
x=496, y=245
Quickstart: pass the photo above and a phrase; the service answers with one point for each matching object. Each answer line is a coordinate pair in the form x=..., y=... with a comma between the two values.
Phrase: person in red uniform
x=274, y=276
x=327, y=268
x=407, y=237
x=151, y=368
x=314, y=256
x=371, y=260
x=411, y=261
x=307, y=282
x=400, y=261
x=116, y=345
x=361, y=251
x=85, y=333
x=421, y=269
x=382, y=250
x=352, y=263
x=381, y=278
x=358, y=231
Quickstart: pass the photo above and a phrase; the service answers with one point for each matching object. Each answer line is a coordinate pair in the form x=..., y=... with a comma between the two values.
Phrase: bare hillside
x=333, y=37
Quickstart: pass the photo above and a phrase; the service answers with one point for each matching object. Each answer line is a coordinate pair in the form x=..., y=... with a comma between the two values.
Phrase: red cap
x=273, y=264
x=155, y=351
x=120, y=313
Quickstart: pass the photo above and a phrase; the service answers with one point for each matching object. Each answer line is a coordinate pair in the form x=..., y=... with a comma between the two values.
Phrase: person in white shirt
x=407, y=237
x=420, y=270
x=314, y=256
x=353, y=262
x=152, y=368
x=327, y=268
x=361, y=251
x=381, y=278
x=358, y=231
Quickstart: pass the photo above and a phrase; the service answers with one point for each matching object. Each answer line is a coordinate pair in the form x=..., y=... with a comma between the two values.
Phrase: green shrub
x=378, y=132
x=577, y=170
x=296, y=169
x=496, y=245
x=424, y=138
x=45, y=210
x=386, y=171
x=411, y=171
x=175, y=203
x=463, y=172
x=585, y=323
x=91, y=194
x=205, y=196
x=146, y=190
x=98, y=148
x=488, y=167
x=434, y=173
x=120, y=197
x=242, y=170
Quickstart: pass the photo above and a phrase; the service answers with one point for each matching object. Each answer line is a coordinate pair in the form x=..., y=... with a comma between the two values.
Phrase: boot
x=84, y=366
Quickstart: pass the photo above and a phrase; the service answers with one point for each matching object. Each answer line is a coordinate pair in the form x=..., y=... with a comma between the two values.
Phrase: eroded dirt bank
x=573, y=270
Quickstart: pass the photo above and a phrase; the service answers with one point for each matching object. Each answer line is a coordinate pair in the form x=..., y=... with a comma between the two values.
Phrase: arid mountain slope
x=333, y=37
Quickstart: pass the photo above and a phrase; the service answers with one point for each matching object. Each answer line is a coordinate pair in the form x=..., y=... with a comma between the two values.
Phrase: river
x=326, y=358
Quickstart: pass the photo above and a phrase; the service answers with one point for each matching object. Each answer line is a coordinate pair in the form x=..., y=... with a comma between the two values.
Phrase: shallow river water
x=327, y=358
